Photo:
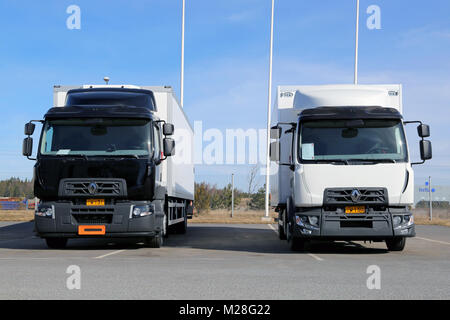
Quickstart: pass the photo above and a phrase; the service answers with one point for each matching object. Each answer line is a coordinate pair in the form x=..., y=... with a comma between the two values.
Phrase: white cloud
x=429, y=35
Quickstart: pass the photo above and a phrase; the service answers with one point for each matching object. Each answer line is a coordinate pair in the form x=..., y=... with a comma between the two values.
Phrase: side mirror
x=169, y=147
x=274, y=151
x=27, y=146
x=168, y=129
x=423, y=130
x=425, y=150
x=29, y=128
x=275, y=133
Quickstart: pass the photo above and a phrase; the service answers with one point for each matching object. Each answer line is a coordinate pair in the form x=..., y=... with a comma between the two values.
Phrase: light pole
x=232, y=195
x=430, y=198
x=182, y=56
x=356, y=42
x=269, y=114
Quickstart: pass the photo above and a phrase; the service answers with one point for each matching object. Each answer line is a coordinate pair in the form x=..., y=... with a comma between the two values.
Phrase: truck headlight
x=408, y=220
x=142, y=211
x=308, y=222
x=403, y=221
x=45, y=211
x=314, y=220
x=397, y=220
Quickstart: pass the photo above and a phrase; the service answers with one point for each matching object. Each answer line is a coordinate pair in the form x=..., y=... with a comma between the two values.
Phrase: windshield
x=96, y=137
x=325, y=140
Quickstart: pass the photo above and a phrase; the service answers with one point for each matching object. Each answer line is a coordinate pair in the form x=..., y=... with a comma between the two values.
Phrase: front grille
x=93, y=216
x=92, y=187
x=338, y=196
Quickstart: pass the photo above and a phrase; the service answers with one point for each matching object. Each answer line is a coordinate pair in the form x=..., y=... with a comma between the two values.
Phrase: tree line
x=209, y=197
x=16, y=187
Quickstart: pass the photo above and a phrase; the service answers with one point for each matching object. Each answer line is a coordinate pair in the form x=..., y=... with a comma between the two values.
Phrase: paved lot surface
x=222, y=262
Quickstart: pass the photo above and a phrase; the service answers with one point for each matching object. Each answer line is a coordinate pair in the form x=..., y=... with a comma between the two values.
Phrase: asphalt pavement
x=214, y=261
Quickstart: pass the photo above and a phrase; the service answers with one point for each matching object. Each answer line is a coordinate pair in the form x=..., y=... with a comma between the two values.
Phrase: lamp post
x=182, y=56
x=269, y=114
x=356, y=42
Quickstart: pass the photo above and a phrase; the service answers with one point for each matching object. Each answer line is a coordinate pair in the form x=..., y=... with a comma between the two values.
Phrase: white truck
x=106, y=166
x=340, y=166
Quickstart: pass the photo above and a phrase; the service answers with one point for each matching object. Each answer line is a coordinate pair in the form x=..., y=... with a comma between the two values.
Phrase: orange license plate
x=355, y=209
x=91, y=230
x=95, y=202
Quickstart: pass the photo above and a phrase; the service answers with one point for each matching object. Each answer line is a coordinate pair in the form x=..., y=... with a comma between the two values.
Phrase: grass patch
x=240, y=216
x=16, y=215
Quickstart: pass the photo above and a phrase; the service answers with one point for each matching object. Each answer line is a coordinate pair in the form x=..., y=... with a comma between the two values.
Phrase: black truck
x=103, y=165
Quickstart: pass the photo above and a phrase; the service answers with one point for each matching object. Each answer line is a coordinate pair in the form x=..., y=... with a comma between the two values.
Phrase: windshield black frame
x=144, y=152
x=346, y=159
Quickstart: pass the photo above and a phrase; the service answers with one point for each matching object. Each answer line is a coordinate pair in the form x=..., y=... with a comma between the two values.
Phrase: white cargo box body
x=291, y=100
x=178, y=170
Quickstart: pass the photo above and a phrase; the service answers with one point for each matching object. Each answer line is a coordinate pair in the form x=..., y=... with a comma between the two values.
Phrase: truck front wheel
x=281, y=233
x=56, y=243
x=396, y=244
x=155, y=242
x=297, y=244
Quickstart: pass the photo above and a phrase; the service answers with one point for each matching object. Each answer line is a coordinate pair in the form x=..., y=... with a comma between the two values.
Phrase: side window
x=157, y=139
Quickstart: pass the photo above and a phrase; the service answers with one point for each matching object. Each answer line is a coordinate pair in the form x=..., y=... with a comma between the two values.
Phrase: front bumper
x=116, y=219
x=374, y=225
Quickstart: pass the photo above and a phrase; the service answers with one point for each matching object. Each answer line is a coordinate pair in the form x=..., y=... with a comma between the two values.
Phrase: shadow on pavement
x=253, y=239
x=256, y=240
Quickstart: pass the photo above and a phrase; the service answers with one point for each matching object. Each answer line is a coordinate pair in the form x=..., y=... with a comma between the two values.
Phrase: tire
x=56, y=243
x=297, y=244
x=165, y=227
x=396, y=244
x=281, y=233
x=154, y=242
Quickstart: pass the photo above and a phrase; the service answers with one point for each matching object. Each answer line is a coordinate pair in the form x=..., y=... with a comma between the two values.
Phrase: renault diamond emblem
x=355, y=195
x=92, y=188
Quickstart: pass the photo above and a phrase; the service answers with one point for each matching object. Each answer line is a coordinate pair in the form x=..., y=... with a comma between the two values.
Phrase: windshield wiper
x=134, y=156
x=373, y=160
x=74, y=156
x=332, y=161
x=339, y=161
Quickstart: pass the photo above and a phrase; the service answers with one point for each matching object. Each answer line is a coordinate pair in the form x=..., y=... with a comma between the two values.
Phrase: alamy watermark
x=374, y=280
x=374, y=20
x=74, y=19
x=74, y=280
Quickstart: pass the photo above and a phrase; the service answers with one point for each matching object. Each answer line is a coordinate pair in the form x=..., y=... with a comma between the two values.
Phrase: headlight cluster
x=142, y=211
x=45, y=211
x=308, y=222
x=401, y=221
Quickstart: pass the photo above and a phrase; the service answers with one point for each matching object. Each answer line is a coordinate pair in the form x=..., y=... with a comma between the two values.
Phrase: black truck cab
x=97, y=164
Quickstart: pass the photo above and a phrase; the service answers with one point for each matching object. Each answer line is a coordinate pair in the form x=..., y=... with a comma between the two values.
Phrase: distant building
x=438, y=193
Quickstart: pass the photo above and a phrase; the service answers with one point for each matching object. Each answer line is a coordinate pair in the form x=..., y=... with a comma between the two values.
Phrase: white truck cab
x=340, y=168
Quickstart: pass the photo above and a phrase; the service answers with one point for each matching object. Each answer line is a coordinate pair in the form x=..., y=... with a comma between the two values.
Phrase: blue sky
x=227, y=49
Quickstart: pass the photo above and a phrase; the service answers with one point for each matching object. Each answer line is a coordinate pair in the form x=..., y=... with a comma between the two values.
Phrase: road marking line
x=315, y=257
x=109, y=254
x=437, y=241
x=309, y=254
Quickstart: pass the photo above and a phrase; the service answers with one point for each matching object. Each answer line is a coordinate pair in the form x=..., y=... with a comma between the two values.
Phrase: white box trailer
x=178, y=170
x=340, y=164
